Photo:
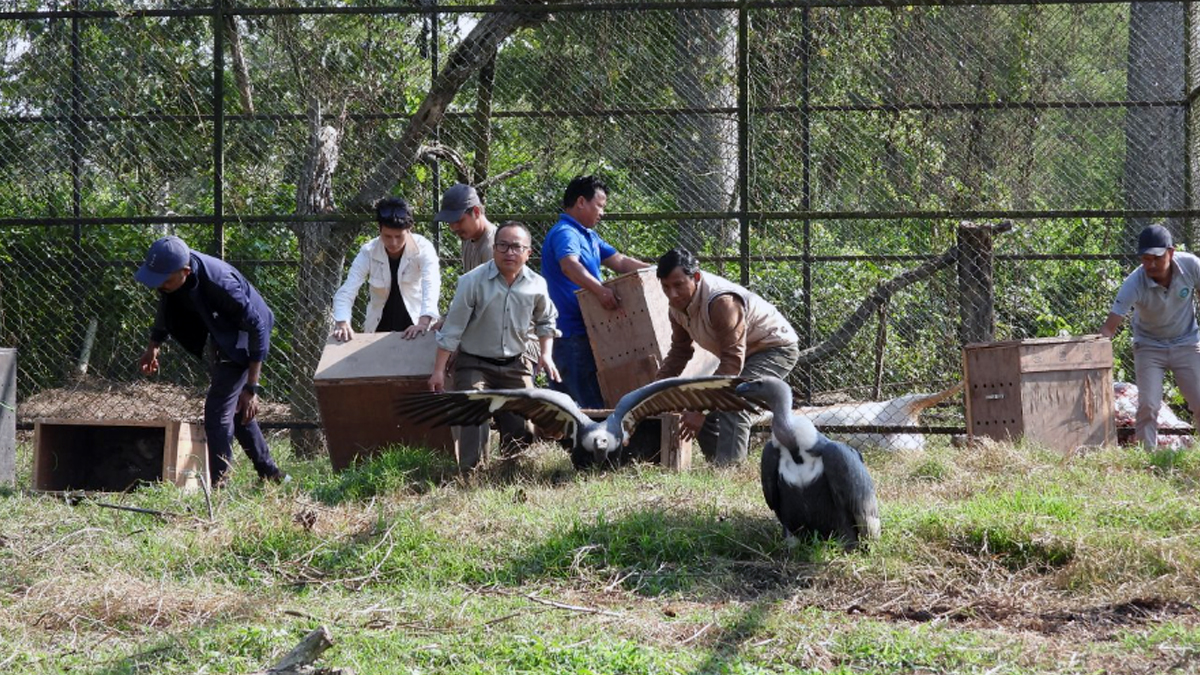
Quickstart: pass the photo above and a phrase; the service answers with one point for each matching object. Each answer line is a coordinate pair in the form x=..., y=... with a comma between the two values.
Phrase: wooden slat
x=630, y=343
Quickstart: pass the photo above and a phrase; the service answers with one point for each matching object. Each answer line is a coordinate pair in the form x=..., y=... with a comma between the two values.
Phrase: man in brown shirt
x=748, y=334
x=463, y=212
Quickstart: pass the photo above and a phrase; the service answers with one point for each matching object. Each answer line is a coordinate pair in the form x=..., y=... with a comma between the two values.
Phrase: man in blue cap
x=205, y=300
x=1165, y=335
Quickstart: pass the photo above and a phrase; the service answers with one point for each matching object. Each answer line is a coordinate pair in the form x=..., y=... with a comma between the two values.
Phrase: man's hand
x=342, y=332
x=546, y=365
x=608, y=298
x=148, y=363
x=247, y=405
x=689, y=425
x=418, y=329
x=437, y=382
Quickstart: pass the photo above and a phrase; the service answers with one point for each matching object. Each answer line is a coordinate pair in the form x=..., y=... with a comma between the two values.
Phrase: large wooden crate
x=8, y=416
x=115, y=455
x=1053, y=391
x=357, y=383
x=631, y=343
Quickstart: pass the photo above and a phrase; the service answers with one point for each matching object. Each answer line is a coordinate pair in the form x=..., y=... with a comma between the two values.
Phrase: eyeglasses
x=506, y=246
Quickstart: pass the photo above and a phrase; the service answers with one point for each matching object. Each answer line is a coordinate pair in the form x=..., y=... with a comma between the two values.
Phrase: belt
x=506, y=361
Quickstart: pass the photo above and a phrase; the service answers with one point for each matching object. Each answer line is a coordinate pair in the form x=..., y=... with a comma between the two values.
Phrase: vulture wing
x=851, y=485
x=678, y=394
x=554, y=412
x=769, y=468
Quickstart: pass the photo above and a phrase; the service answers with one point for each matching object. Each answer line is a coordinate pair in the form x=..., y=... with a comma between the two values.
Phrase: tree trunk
x=704, y=144
x=1154, y=137
x=323, y=247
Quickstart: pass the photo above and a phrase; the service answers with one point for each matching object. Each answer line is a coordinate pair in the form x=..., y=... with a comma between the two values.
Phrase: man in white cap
x=1165, y=336
x=202, y=300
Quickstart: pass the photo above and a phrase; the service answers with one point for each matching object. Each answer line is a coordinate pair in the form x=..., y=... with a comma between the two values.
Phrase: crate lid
x=377, y=355
x=1034, y=342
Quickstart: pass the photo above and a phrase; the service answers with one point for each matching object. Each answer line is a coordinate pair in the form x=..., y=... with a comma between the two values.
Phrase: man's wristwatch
x=255, y=389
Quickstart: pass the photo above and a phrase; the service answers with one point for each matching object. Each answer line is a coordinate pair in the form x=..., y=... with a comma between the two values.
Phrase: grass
x=995, y=559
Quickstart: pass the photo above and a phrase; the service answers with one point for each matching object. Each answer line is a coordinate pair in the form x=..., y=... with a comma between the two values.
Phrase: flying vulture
x=557, y=414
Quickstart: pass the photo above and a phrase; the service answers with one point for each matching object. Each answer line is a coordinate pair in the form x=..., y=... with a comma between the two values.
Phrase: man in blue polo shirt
x=202, y=300
x=1165, y=336
x=572, y=254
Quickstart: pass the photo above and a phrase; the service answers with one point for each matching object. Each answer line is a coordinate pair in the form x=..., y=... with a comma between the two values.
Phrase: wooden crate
x=1053, y=391
x=631, y=343
x=114, y=455
x=8, y=416
x=357, y=383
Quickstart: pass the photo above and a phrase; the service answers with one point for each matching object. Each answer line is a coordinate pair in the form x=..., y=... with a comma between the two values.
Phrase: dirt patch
x=138, y=400
x=1099, y=621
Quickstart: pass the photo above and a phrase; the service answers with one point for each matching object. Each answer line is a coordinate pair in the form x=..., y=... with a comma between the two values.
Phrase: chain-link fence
x=811, y=150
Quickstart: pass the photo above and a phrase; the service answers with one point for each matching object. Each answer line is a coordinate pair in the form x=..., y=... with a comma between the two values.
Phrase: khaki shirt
x=490, y=318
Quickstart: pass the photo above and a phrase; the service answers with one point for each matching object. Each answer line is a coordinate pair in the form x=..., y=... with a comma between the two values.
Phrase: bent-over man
x=748, y=334
x=202, y=300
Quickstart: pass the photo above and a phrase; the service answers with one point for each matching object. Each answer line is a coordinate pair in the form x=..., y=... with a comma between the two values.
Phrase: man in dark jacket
x=205, y=300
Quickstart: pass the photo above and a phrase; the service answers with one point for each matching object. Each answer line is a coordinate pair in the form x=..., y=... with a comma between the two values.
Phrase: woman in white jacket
x=401, y=270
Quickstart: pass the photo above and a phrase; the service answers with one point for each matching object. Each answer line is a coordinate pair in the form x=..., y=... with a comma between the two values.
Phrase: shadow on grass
x=656, y=552
x=397, y=468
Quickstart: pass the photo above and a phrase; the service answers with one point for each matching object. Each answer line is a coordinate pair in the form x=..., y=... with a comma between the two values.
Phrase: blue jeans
x=577, y=366
x=223, y=423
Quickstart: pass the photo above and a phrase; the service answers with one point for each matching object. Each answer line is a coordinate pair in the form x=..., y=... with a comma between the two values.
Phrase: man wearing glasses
x=401, y=270
x=572, y=254
x=496, y=306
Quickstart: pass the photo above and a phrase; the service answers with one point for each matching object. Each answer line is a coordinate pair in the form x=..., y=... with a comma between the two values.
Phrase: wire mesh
x=812, y=152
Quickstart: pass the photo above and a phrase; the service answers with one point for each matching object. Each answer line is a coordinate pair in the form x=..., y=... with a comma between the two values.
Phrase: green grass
x=995, y=559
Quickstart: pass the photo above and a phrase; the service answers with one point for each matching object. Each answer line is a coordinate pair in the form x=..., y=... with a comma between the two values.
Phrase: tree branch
x=467, y=58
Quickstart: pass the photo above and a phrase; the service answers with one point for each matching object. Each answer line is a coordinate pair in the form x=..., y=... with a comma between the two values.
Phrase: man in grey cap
x=1165, y=335
x=463, y=212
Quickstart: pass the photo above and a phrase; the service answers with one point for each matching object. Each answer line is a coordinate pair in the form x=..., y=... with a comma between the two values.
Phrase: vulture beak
x=601, y=450
x=751, y=391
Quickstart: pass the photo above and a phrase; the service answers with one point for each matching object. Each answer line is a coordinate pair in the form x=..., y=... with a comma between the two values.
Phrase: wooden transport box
x=115, y=455
x=357, y=383
x=1053, y=391
x=8, y=417
x=629, y=344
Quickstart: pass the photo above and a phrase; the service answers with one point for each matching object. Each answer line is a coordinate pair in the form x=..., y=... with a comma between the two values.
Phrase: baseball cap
x=1154, y=240
x=165, y=257
x=456, y=201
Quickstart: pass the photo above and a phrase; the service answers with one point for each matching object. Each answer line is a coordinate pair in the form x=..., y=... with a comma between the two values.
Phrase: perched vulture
x=813, y=484
x=557, y=414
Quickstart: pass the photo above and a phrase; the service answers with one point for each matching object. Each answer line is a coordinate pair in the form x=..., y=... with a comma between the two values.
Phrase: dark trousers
x=577, y=366
x=223, y=423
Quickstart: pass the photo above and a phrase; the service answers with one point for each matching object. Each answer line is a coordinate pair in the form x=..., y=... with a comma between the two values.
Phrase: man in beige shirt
x=748, y=334
x=496, y=306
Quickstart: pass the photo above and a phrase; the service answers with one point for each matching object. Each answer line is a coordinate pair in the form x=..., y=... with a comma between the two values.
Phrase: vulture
x=813, y=484
x=557, y=414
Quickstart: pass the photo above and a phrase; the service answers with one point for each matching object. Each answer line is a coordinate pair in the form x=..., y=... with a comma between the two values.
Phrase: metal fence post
x=218, y=148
